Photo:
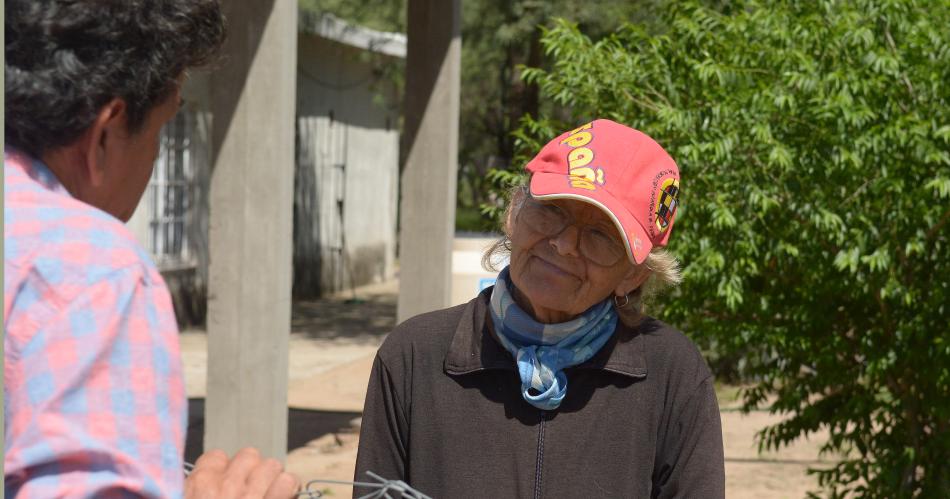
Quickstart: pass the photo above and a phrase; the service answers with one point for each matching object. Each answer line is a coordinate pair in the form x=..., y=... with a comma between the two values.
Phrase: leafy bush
x=813, y=143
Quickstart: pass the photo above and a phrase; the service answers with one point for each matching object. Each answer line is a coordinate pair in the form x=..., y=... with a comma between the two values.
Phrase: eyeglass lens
x=595, y=243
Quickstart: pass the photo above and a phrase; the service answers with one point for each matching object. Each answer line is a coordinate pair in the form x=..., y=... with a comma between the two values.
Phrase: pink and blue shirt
x=94, y=398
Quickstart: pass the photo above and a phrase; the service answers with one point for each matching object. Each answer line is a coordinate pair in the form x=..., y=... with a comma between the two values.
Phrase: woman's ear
x=635, y=277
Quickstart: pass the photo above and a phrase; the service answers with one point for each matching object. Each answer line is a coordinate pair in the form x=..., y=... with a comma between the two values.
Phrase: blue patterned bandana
x=543, y=351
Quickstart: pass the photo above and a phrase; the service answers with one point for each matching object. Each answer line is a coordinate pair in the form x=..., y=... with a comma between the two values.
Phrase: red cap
x=621, y=170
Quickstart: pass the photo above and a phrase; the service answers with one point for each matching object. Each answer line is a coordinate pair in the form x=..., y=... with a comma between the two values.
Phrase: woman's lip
x=555, y=268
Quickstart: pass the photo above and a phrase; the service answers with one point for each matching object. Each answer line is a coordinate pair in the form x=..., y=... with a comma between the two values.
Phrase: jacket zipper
x=537, y=475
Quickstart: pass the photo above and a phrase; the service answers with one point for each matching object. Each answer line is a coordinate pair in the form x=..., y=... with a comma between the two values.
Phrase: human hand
x=248, y=475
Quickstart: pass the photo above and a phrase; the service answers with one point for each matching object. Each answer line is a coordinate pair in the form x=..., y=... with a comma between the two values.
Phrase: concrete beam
x=430, y=141
x=251, y=224
x=326, y=25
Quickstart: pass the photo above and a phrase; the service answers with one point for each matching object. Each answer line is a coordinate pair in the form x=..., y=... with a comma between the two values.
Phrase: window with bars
x=170, y=193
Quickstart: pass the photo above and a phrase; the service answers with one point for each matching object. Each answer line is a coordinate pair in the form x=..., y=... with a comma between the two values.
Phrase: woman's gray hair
x=663, y=267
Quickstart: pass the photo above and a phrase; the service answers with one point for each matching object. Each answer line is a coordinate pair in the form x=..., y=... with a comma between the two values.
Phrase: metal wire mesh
x=382, y=488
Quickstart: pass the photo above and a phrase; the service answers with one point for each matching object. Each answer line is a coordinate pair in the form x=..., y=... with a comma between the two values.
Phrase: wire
x=381, y=485
x=383, y=488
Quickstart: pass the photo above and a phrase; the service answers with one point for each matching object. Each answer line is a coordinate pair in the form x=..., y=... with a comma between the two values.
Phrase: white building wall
x=348, y=169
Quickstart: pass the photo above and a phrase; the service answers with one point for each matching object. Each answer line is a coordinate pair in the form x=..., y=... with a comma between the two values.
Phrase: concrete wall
x=347, y=175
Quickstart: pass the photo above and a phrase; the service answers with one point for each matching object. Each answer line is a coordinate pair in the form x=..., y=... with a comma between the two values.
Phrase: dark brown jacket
x=445, y=414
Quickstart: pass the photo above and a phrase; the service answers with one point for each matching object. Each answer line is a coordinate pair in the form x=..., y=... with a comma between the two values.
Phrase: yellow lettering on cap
x=582, y=184
x=578, y=139
x=582, y=127
x=582, y=176
x=590, y=174
x=585, y=172
x=582, y=156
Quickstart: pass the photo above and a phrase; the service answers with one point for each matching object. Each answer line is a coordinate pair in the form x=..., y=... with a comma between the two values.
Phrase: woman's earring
x=626, y=300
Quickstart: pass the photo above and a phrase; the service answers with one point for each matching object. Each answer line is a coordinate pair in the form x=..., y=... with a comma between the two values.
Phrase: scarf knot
x=543, y=351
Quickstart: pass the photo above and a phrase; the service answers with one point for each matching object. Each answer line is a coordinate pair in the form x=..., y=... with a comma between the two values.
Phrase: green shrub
x=813, y=141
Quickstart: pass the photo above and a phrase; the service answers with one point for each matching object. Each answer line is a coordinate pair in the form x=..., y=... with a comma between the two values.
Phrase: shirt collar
x=32, y=168
x=474, y=348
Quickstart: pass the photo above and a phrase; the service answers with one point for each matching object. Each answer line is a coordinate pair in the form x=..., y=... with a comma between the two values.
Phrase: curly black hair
x=66, y=59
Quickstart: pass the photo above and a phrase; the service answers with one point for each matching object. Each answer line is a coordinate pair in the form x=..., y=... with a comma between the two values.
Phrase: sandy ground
x=332, y=344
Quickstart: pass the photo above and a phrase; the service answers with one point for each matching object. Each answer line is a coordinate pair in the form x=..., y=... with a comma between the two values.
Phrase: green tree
x=499, y=38
x=813, y=143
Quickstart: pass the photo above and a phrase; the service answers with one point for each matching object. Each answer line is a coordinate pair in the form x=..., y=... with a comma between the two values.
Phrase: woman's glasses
x=597, y=244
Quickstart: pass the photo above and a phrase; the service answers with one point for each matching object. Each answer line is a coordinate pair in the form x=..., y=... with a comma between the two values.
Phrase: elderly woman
x=552, y=383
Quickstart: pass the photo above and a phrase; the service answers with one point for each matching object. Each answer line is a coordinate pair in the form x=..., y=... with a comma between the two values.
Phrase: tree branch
x=647, y=104
x=893, y=47
x=943, y=221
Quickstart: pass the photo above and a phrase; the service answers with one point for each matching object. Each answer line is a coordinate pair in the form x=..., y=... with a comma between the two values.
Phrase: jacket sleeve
x=384, y=431
x=691, y=462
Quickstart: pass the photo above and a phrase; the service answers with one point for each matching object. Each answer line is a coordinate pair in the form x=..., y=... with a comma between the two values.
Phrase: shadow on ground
x=302, y=427
x=364, y=319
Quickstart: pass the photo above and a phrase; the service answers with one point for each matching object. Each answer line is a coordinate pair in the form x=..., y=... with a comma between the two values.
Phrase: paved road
x=332, y=344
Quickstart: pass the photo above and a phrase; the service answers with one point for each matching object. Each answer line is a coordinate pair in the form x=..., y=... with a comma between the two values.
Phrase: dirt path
x=773, y=475
x=332, y=346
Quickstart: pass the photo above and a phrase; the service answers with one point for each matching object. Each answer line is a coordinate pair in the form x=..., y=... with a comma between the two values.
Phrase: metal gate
x=170, y=193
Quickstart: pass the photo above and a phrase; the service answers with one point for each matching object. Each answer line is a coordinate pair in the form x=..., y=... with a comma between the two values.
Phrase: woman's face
x=556, y=278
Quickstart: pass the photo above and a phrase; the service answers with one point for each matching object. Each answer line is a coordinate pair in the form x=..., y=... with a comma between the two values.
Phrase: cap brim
x=546, y=185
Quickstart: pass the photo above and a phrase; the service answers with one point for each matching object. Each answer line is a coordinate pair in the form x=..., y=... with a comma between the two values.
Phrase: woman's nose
x=566, y=241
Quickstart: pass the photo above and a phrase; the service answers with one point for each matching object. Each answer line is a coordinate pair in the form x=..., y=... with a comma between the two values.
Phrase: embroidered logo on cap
x=666, y=205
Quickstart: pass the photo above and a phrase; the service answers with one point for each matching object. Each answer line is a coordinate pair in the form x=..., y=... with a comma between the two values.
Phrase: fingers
x=262, y=476
x=204, y=481
x=240, y=467
x=285, y=486
x=244, y=476
x=213, y=460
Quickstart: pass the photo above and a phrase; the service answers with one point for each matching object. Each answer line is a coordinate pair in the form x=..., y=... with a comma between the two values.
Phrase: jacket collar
x=474, y=347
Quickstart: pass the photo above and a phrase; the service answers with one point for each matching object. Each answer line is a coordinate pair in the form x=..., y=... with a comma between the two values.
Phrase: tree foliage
x=814, y=144
x=499, y=38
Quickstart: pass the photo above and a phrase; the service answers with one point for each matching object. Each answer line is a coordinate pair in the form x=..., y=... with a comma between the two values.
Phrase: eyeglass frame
x=611, y=241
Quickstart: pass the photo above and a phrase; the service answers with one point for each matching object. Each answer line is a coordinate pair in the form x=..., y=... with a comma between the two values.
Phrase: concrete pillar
x=430, y=141
x=250, y=233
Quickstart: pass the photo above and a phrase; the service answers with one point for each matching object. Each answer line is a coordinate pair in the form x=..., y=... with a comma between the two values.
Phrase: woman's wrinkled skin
x=554, y=282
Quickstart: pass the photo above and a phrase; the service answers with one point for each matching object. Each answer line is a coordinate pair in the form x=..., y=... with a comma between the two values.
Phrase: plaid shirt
x=94, y=399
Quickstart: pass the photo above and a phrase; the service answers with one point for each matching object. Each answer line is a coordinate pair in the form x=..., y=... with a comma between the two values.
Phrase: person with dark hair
x=93, y=389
